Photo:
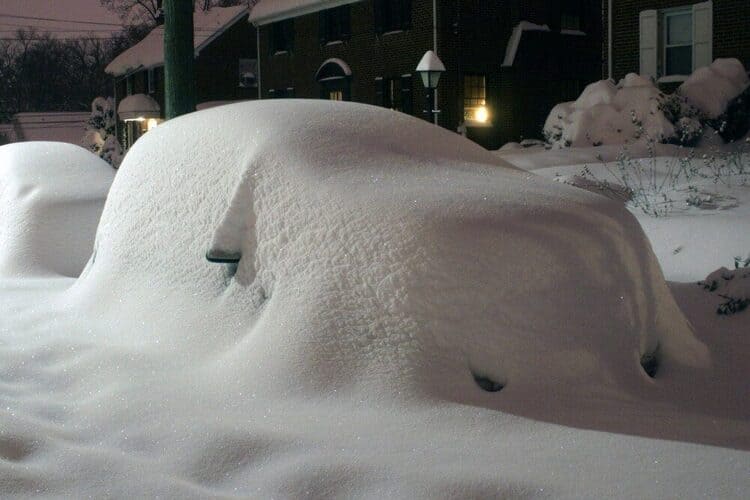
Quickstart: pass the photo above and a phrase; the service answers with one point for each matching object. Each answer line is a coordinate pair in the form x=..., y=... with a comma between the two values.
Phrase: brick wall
x=731, y=30
x=472, y=37
x=369, y=55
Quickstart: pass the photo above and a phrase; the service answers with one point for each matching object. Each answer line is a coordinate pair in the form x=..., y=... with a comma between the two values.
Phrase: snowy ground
x=378, y=279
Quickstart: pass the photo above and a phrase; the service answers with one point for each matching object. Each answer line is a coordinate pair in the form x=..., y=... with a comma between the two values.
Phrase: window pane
x=679, y=60
x=680, y=29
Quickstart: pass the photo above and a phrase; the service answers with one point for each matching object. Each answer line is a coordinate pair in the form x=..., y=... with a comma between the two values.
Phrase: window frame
x=472, y=106
x=663, y=16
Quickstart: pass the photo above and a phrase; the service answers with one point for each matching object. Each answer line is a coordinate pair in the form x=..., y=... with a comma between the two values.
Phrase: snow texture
x=51, y=197
x=711, y=88
x=389, y=270
x=149, y=52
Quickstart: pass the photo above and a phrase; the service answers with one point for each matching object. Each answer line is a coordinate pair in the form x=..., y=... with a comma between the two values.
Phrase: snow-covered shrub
x=100, y=137
x=717, y=96
x=733, y=286
x=606, y=113
x=721, y=95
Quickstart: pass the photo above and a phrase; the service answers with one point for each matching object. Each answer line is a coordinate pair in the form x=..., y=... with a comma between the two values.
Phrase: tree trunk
x=179, y=58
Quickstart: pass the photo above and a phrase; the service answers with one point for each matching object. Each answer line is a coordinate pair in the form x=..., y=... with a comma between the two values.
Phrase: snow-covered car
x=401, y=300
x=51, y=198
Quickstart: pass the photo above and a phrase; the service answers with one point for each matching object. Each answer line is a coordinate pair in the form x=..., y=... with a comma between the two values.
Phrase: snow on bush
x=635, y=110
x=100, y=137
x=732, y=286
x=606, y=113
x=401, y=254
x=51, y=197
x=710, y=89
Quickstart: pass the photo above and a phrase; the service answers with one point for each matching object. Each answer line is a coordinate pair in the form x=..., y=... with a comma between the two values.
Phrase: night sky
x=79, y=10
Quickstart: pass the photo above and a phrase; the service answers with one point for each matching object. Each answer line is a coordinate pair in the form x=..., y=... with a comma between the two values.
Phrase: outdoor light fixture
x=482, y=114
x=430, y=68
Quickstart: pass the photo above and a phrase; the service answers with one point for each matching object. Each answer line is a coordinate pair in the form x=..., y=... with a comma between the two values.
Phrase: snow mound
x=378, y=254
x=606, y=113
x=733, y=287
x=710, y=89
x=51, y=197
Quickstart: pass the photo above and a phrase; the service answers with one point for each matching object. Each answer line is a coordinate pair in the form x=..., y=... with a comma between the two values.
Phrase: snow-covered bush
x=100, y=136
x=606, y=113
x=732, y=286
x=716, y=96
x=721, y=95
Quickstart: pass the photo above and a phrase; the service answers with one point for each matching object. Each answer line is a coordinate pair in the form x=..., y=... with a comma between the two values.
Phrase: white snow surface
x=149, y=52
x=51, y=197
x=384, y=261
x=711, y=88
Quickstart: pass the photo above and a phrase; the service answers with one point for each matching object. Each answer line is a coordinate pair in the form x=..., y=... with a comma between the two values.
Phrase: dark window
x=335, y=24
x=392, y=15
x=678, y=42
x=394, y=93
x=475, y=96
x=152, y=80
x=282, y=36
x=570, y=21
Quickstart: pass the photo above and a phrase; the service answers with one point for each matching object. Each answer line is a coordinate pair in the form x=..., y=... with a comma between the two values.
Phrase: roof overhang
x=272, y=11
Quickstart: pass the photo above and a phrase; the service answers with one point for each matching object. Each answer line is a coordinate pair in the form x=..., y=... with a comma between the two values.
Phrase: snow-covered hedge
x=635, y=109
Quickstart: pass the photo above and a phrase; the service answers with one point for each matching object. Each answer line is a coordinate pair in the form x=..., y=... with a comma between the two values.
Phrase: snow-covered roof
x=515, y=39
x=271, y=11
x=149, y=52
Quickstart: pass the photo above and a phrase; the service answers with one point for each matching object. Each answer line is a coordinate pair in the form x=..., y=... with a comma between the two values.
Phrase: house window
x=678, y=42
x=282, y=36
x=248, y=69
x=395, y=93
x=335, y=24
x=335, y=95
x=570, y=21
x=675, y=42
x=475, y=98
x=152, y=80
x=392, y=15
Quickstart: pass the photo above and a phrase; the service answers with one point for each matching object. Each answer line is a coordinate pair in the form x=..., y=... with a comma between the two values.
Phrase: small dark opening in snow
x=650, y=362
x=487, y=383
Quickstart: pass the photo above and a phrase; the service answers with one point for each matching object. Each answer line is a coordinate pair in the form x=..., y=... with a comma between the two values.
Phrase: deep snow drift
x=387, y=270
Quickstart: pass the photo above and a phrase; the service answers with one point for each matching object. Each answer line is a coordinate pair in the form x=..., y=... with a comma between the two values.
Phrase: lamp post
x=430, y=68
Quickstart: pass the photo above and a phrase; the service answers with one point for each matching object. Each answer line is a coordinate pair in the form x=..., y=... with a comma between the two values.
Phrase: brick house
x=509, y=61
x=669, y=39
x=225, y=67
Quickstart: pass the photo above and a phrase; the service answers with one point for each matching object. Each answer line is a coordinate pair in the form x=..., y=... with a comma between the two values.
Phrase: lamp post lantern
x=430, y=68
